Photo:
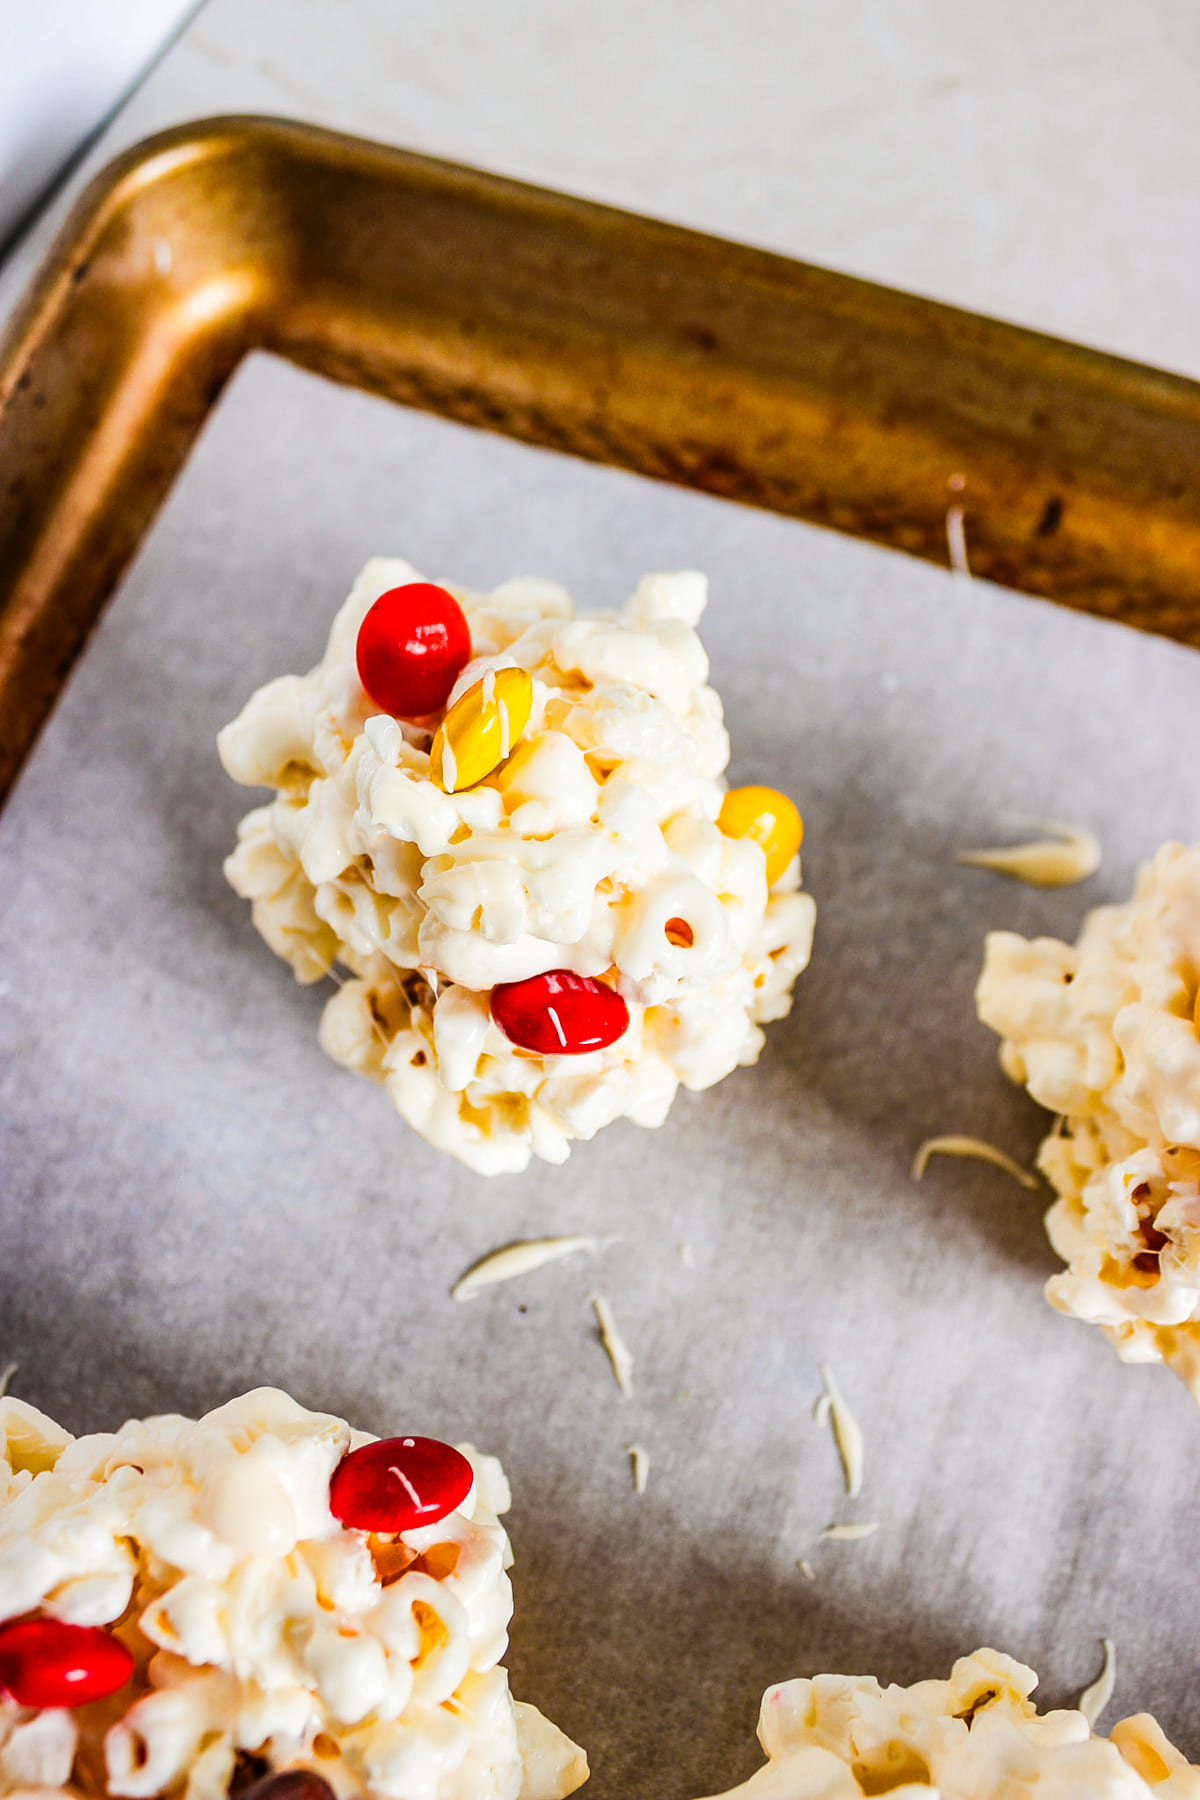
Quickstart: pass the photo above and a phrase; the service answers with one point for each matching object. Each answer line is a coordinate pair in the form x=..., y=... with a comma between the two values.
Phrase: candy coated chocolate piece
x=481, y=728
x=290, y=1784
x=560, y=1013
x=398, y=1484
x=412, y=647
x=767, y=816
x=46, y=1662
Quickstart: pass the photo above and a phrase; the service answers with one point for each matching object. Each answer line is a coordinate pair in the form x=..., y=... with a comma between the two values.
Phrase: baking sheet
x=196, y=1200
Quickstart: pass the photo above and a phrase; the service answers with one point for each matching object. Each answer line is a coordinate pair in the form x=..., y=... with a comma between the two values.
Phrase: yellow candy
x=769, y=818
x=481, y=728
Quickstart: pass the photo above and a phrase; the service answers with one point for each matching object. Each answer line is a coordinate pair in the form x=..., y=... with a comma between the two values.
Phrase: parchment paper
x=196, y=1200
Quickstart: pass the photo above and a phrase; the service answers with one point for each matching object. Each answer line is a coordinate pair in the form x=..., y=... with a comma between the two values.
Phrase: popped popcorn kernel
x=248, y=1626
x=562, y=821
x=1104, y=1033
x=977, y=1736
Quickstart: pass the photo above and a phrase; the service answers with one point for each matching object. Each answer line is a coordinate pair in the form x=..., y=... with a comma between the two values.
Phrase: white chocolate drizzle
x=449, y=765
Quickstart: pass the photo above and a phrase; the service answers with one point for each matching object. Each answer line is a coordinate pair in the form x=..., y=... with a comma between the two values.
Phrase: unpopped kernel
x=977, y=1736
x=250, y=1624
x=551, y=913
x=1104, y=1033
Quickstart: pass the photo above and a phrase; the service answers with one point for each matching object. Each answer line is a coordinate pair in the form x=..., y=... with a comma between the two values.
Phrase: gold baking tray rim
x=565, y=324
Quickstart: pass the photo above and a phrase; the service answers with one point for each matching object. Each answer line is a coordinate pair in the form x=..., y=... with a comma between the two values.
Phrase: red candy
x=412, y=646
x=560, y=1014
x=44, y=1662
x=398, y=1484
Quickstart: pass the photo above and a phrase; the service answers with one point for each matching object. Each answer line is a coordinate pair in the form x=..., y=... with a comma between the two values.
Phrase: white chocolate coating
x=1104, y=1033
x=575, y=854
x=257, y=1622
x=977, y=1736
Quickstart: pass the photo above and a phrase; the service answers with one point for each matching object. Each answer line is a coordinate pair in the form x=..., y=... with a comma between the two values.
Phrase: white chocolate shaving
x=1095, y=1698
x=956, y=540
x=6, y=1376
x=955, y=1144
x=806, y=1569
x=640, y=1458
x=619, y=1353
x=1071, y=855
x=849, y=1534
x=520, y=1259
x=847, y=1434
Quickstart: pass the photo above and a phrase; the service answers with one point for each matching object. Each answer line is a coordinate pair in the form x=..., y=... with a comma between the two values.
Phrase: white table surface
x=1042, y=164
x=1037, y=161
x=64, y=68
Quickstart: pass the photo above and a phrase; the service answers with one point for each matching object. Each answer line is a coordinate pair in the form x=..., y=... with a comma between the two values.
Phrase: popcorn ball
x=509, y=826
x=977, y=1736
x=261, y=1602
x=1105, y=1034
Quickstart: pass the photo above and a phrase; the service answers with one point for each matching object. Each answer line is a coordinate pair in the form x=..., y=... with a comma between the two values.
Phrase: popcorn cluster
x=1105, y=1034
x=592, y=847
x=262, y=1632
x=977, y=1736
